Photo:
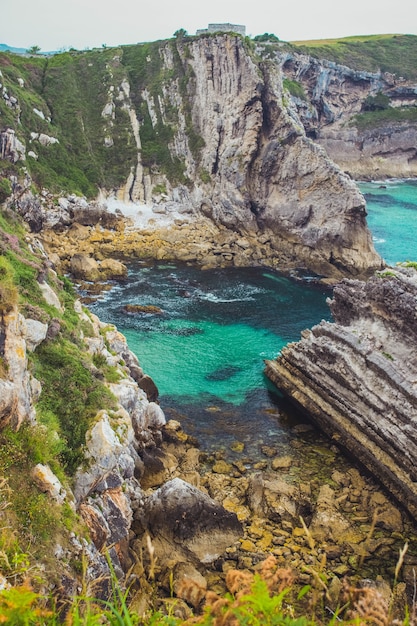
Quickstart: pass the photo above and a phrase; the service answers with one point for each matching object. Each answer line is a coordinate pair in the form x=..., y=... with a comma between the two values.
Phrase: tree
x=34, y=50
x=180, y=33
x=266, y=37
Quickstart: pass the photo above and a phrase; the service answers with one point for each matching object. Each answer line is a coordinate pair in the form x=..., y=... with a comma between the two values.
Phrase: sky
x=83, y=24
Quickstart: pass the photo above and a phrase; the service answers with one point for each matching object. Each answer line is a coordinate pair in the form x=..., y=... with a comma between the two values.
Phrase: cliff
x=203, y=122
x=80, y=442
x=356, y=377
x=357, y=98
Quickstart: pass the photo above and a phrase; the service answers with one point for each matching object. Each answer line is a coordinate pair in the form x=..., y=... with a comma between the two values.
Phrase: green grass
x=295, y=88
x=396, y=54
x=376, y=119
x=70, y=393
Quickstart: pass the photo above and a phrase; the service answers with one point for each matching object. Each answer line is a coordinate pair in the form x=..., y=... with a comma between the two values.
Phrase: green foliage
x=380, y=102
x=5, y=189
x=180, y=33
x=396, y=54
x=205, y=176
x=33, y=50
x=412, y=264
x=375, y=119
x=159, y=189
x=19, y=606
x=295, y=88
x=266, y=37
x=71, y=393
x=37, y=516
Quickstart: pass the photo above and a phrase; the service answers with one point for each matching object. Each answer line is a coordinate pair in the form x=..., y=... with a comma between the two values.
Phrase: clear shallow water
x=392, y=218
x=205, y=350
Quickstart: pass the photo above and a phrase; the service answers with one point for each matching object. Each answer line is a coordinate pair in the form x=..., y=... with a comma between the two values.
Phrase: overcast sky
x=80, y=24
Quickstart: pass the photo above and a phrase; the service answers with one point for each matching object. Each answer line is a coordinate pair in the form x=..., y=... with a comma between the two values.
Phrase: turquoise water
x=206, y=348
x=392, y=218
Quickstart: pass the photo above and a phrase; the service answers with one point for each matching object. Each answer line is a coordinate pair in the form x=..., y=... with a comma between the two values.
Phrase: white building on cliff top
x=223, y=28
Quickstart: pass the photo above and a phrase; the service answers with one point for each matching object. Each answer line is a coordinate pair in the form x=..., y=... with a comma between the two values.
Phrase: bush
x=5, y=189
x=380, y=102
x=71, y=393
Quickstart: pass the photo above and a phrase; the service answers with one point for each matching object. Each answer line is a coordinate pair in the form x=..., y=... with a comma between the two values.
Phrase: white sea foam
x=149, y=216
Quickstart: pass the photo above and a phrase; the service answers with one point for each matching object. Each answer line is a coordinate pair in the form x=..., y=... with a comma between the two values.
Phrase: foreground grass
x=265, y=598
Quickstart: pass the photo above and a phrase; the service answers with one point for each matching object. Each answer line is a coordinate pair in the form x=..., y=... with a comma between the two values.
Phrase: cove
x=206, y=347
x=205, y=350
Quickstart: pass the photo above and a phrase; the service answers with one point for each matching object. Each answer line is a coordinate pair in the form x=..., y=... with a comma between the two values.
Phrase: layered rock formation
x=333, y=95
x=357, y=377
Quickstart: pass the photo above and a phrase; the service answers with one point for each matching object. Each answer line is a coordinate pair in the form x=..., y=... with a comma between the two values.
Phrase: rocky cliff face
x=205, y=123
x=356, y=377
x=330, y=98
x=119, y=452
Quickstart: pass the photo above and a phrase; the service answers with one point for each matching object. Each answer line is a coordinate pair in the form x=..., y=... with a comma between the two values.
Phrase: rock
x=186, y=518
x=328, y=522
x=283, y=462
x=147, y=384
x=84, y=267
x=189, y=584
x=47, y=482
x=50, y=296
x=221, y=467
x=356, y=376
x=35, y=333
x=110, y=269
x=106, y=453
x=142, y=308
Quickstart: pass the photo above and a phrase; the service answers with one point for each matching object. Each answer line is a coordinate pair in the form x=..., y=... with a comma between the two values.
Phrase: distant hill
x=5, y=48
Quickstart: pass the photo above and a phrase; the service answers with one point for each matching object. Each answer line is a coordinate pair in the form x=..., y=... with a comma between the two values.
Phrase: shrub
x=380, y=102
x=5, y=189
x=295, y=88
x=71, y=393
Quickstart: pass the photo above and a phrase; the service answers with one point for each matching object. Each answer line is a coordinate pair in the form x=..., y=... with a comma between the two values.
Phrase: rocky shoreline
x=356, y=377
x=327, y=516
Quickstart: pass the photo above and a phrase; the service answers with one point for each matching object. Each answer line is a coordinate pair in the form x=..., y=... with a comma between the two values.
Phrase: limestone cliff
x=357, y=377
x=341, y=108
x=80, y=435
x=203, y=122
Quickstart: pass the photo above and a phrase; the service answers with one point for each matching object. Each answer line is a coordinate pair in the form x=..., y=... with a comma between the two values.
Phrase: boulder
x=110, y=269
x=84, y=267
x=46, y=481
x=183, y=518
x=35, y=333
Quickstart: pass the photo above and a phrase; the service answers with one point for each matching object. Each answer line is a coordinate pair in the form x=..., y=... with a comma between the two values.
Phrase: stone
x=149, y=387
x=282, y=462
x=47, y=482
x=186, y=518
x=84, y=267
x=110, y=269
x=35, y=333
x=221, y=467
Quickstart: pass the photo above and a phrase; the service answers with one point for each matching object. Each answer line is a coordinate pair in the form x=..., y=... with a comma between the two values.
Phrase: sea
x=205, y=348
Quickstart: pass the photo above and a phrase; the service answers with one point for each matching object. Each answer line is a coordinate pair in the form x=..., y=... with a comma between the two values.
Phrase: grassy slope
x=396, y=54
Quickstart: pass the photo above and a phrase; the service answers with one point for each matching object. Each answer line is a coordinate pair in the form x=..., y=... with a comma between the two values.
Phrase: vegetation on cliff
x=396, y=54
x=73, y=390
